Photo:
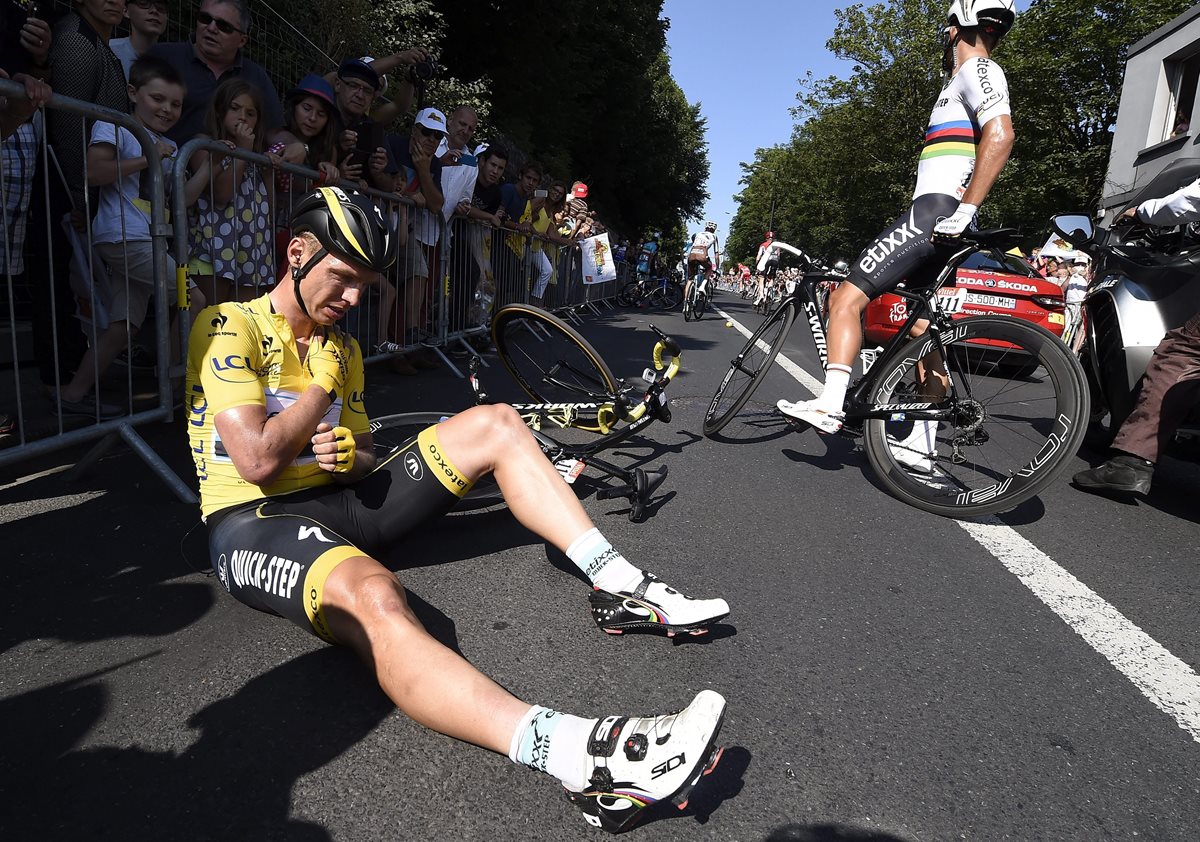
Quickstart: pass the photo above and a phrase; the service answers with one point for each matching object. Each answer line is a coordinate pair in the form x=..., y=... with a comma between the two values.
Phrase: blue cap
x=314, y=85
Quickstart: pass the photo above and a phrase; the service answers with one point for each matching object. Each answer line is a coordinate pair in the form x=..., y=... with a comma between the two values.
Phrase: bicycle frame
x=924, y=306
x=652, y=406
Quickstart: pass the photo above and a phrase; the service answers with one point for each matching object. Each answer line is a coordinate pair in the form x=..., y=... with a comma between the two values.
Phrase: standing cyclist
x=697, y=257
x=968, y=141
x=298, y=510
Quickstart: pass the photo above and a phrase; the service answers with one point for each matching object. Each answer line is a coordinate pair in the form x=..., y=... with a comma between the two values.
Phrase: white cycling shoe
x=911, y=458
x=655, y=606
x=808, y=412
x=635, y=762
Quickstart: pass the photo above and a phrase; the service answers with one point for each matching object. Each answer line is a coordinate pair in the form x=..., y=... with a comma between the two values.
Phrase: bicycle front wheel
x=748, y=369
x=391, y=432
x=1018, y=414
x=548, y=357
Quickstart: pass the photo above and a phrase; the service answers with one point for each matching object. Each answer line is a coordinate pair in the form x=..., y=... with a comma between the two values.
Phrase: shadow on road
x=829, y=833
x=233, y=782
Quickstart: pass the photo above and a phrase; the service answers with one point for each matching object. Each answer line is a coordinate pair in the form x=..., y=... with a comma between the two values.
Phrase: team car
x=984, y=286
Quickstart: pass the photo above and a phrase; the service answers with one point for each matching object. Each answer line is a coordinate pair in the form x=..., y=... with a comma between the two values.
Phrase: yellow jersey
x=241, y=354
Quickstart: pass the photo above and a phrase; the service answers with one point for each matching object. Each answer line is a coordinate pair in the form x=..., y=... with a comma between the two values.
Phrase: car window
x=986, y=262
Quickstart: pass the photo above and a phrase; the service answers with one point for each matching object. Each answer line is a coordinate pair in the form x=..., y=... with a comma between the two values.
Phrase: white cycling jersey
x=701, y=243
x=973, y=97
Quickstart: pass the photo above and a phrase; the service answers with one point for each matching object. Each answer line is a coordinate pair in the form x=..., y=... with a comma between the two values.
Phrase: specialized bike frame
x=940, y=330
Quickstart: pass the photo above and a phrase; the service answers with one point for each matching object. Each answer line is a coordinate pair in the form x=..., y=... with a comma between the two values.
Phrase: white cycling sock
x=605, y=568
x=550, y=742
x=923, y=437
x=837, y=379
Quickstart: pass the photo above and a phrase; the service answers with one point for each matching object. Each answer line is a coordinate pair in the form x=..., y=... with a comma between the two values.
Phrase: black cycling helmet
x=346, y=223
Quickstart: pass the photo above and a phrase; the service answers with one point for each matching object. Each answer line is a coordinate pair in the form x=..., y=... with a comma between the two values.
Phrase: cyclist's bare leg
x=433, y=685
x=758, y=288
x=844, y=334
x=494, y=439
x=931, y=369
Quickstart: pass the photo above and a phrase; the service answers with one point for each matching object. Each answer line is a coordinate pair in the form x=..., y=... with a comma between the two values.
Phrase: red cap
x=579, y=190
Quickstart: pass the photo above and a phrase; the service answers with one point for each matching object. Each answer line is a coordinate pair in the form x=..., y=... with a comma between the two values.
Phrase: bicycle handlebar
x=630, y=413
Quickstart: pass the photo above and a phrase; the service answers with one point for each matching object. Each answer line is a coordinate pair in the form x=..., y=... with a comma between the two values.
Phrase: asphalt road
x=890, y=675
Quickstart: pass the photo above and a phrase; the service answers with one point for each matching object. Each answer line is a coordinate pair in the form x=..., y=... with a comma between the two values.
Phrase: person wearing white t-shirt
x=121, y=229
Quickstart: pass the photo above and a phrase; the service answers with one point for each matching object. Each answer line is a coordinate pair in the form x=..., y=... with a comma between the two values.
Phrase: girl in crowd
x=310, y=115
x=231, y=230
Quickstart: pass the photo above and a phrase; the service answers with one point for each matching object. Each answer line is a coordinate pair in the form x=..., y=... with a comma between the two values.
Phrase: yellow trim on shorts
x=454, y=480
x=314, y=588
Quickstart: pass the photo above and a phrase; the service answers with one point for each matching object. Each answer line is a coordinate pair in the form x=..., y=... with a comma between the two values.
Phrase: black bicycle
x=696, y=301
x=1010, y=413
x=663, y=292
x=578, y=398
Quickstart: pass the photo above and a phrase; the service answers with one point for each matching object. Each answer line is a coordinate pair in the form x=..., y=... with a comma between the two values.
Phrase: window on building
x=1182, y=73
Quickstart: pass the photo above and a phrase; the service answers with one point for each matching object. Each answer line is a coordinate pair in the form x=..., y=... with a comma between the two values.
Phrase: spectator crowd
x=338, y=125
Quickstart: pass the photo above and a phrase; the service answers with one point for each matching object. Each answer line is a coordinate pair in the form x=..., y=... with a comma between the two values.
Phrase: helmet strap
x=300, y=272
x=949, y=53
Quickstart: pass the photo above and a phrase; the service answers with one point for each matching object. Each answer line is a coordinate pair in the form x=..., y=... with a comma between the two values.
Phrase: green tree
x=1065, y=62
x=851, y=163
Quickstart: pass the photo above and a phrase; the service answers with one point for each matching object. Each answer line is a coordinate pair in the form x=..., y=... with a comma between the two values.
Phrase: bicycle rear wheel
x=700, y=306
x=390, y=432
x=667, y=298
x=1019, y=415
x=628, y=294
x=749, y=368
x=549, y=359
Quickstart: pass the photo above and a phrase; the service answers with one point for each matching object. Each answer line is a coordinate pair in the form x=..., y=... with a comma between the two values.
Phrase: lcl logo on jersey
x=413, y=466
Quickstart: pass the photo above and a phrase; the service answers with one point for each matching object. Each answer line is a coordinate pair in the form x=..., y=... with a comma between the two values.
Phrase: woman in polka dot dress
x=231, y=224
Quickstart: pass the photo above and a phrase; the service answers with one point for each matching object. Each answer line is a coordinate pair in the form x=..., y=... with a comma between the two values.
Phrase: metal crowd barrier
x=64, y=269
x=406, y=313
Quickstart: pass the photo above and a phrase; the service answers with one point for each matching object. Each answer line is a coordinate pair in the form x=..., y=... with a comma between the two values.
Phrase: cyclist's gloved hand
x=335, y=448
x=328, y=362
x=957, y=222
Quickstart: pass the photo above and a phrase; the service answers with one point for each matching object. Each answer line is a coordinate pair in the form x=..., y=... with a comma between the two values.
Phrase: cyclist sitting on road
x=967, y=143
x=1171, y=385
x=697, y=257
x=298, y=510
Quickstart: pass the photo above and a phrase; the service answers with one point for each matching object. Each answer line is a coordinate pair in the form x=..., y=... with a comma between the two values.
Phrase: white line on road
x=1167, y=681
x=807, y=380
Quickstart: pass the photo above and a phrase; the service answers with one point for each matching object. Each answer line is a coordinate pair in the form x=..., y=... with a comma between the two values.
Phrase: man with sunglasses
x=211, y=55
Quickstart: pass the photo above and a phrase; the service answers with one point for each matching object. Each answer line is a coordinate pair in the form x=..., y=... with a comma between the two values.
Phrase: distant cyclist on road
x=698, y=258
x=968, y=141
x=298, y=510
x=767, y=263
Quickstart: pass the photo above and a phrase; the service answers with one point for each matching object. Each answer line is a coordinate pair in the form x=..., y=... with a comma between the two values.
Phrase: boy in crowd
x=147, y=22
x=121, y=231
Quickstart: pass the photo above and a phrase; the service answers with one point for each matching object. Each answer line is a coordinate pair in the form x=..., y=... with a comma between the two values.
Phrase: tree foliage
x=587, y=89
x=851, y=163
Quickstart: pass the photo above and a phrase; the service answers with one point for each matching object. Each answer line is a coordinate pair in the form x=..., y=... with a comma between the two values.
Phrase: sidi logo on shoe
x=668, y=765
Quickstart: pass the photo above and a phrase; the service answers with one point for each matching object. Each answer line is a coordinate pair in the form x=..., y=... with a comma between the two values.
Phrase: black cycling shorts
x=903, y=251
x=275, y=554
x=769, y=271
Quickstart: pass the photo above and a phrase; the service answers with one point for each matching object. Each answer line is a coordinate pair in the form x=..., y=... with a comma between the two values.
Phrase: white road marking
x=807, y=380
x=1168, y=682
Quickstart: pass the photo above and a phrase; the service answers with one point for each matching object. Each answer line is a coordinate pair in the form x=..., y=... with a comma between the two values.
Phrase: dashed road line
x=1168, y=682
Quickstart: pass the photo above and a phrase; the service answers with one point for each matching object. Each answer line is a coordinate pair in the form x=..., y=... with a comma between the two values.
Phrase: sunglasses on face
x=160, y=5
x=204, y=19
x=428, y=132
